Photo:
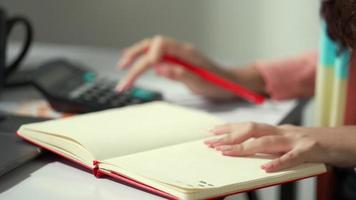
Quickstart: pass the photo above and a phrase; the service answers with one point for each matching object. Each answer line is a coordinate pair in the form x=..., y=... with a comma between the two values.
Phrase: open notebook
x=157, y=147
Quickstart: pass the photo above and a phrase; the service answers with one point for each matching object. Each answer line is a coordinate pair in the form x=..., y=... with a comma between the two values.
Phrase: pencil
x=231, y=86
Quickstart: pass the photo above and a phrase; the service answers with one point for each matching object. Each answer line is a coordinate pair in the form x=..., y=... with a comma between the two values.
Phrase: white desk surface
x=50, y=177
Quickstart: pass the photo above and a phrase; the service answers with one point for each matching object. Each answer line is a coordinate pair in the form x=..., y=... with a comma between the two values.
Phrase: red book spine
x=97, y=172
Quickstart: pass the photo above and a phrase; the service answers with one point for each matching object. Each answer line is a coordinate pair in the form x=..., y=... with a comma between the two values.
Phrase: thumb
x=290, y=159
x=171, y=71
x=182, y=75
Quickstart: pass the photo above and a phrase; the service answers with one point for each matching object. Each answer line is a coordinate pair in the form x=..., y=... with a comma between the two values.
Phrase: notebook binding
x=97, y=173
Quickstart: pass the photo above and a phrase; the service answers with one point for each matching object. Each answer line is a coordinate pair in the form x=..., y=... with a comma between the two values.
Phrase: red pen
x=233, y=87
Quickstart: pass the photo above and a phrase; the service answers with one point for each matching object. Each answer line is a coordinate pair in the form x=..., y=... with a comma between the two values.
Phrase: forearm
x=249, y=77
x=339, y=145
x=285, y=79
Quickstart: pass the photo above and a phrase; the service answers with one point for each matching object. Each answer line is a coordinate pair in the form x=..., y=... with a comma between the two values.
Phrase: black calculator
x=72, y=88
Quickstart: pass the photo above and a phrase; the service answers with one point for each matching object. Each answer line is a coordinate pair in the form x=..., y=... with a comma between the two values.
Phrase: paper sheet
x=193, y=165
x=131, y=129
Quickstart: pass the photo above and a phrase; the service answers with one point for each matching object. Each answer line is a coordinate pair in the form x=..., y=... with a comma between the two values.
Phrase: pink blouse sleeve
x=290, y=78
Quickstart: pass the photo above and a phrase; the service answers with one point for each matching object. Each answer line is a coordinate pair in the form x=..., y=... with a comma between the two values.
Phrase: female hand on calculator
x=142, y=55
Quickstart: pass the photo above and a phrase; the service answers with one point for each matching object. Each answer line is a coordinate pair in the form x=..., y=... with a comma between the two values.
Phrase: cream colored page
x=132, y=129
x=63, y=145
x=193, y=165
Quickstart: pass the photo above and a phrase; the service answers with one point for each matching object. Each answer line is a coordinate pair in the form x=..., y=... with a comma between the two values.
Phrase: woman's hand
x=148, y=53
x=296, y=145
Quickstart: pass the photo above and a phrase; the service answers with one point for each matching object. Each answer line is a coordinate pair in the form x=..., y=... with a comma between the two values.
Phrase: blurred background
x=232, y=30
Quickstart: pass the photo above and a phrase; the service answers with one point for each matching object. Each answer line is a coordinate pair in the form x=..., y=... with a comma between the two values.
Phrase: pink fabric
x=350, y=115
x=290, y=78
x=295, y=77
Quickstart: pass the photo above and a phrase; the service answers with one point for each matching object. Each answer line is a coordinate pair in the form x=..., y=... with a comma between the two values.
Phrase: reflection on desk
x=51, y=177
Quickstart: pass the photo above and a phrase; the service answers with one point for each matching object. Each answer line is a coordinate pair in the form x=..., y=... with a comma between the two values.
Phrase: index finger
x=159, y=46
x=240, y=132
x=139, y=68
x=133, y=52
x=152, y=57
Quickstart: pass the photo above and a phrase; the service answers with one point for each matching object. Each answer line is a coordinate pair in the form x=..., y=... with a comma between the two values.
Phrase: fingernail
x=226, y=153
x=122, y=62
x=209, y=145
x=224, y=148
x=266, y=166
x=120, y=87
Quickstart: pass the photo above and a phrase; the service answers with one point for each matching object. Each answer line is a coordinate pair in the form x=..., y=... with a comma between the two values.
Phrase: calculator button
x=98, y=93
x=87, y=97
x=111, y=95
x=102, y=100
x=135, y=101
x=79, y=91
x=116, y=103
x=142, y=94
x=89, y=76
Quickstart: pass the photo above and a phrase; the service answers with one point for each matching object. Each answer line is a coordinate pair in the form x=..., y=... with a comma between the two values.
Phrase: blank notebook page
x=132, y=129
x=193, y=165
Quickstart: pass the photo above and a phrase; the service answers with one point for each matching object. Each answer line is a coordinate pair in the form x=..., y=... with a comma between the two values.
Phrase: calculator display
x=55, y=75
x=60, y=77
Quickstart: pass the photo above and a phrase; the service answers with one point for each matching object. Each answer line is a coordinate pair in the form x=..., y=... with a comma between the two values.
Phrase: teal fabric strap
x=327, y=47
x=342, y=64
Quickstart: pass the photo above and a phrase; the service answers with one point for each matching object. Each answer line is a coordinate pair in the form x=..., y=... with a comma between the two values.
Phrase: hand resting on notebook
x=295, y=144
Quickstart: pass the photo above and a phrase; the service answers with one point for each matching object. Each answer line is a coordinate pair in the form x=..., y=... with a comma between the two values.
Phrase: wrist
x=338, y=145
x=249, y=77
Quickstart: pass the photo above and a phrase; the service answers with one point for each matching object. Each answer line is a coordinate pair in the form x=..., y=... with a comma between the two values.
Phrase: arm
x=264, y=77
x=284, y=79
x=147, y=54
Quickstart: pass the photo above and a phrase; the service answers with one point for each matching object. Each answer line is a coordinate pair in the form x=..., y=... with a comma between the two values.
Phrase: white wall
x=235, y=30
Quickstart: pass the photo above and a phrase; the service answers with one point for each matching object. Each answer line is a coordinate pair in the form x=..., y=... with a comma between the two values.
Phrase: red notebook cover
x=139, y=185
